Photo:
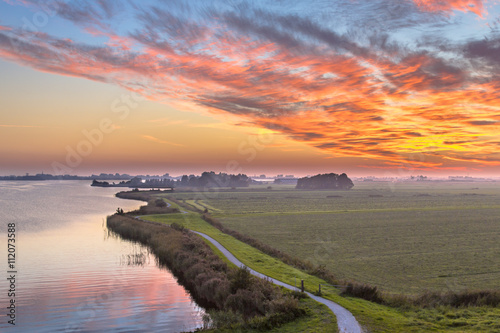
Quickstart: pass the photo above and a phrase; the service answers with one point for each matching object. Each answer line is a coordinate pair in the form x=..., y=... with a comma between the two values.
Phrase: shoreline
x=249, y=319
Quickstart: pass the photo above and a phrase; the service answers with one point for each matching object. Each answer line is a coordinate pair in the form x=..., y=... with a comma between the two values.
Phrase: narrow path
x=345, y=320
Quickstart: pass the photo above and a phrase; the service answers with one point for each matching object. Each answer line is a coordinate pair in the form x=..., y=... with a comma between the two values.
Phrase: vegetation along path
x=345, y=320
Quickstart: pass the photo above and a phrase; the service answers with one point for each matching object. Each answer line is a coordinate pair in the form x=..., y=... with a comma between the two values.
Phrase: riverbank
x=234, y=299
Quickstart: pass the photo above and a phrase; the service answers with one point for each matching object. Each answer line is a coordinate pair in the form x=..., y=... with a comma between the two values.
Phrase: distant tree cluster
x=212, y=179
x=207, y=179
x=330, y=181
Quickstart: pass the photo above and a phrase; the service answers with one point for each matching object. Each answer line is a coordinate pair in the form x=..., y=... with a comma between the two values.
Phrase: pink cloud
x=336, y=94
x=474, y=6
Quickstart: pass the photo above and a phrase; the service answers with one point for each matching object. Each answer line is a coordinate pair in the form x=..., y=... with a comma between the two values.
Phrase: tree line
x=212, y=179
x=207, y=179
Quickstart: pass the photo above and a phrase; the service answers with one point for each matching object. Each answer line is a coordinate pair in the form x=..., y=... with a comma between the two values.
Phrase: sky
x=367, y=87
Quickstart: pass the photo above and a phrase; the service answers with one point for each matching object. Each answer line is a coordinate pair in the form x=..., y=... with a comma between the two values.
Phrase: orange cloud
x=345, y=97
x=474, y=6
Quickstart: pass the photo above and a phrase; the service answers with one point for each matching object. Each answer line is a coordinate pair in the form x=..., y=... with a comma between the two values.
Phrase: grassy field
x=374, y=317
x=402, y=237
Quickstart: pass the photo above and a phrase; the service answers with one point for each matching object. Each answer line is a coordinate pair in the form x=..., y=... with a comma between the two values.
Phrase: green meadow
x=401, y=237
x=444, y=234
x=373, y=317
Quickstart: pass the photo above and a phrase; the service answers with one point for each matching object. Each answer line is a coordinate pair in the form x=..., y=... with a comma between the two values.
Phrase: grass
x=200, y=205
x=376, y=317
x=404, y=238
x=459, y=219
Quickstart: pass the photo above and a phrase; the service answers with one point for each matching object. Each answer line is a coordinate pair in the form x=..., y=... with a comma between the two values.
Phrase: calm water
x=72, y=276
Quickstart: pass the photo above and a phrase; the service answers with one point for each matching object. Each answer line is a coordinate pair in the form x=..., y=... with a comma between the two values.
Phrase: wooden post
x=320, y=288
x=302, y=285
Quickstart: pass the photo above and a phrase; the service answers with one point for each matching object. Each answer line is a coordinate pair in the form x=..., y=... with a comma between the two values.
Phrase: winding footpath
x=345, y=320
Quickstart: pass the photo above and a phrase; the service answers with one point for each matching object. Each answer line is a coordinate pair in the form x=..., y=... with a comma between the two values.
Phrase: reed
x=224, y=291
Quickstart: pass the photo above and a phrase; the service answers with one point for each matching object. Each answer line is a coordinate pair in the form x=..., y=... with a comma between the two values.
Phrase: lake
x=72, y=275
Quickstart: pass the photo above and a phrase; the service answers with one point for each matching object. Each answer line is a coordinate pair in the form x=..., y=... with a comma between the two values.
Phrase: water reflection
x=71, y=278
x=134, y=259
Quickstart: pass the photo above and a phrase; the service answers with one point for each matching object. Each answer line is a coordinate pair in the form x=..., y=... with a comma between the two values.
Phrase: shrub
x=224, y=319
x=297, y=294
x=241, y=279
x=364, y=291
x=245, y=302
x=178, y=227
x=160, y=203
x=286, y=304
x=461, y=299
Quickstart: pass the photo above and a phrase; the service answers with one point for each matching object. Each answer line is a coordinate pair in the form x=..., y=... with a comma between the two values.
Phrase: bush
x=241, y=279
x=178, y=227
x=364, y=291
x=461, y=299
x=224, y=319
x=286, y=304
x=246, y=302
x=160, y=203
x=297, y=294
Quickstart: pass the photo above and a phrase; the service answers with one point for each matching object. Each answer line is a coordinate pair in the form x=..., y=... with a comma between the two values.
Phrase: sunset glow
x=364, y=85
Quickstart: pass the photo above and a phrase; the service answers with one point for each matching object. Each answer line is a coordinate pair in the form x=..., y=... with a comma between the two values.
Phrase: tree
x=344, y=183
x=325, y=181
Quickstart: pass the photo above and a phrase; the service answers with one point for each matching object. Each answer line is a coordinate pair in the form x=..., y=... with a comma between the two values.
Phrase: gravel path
x=345, y=320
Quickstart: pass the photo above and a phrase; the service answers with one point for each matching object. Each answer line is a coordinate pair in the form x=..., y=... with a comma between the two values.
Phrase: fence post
x=302, y=285
x=319, y=288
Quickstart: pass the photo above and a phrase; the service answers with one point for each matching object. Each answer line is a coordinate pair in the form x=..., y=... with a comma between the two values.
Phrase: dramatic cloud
x=376, y=89
x=474, y=6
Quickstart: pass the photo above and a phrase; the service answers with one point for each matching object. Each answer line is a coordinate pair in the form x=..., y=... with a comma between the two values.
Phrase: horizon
x=366, y=88
x=267, y=175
